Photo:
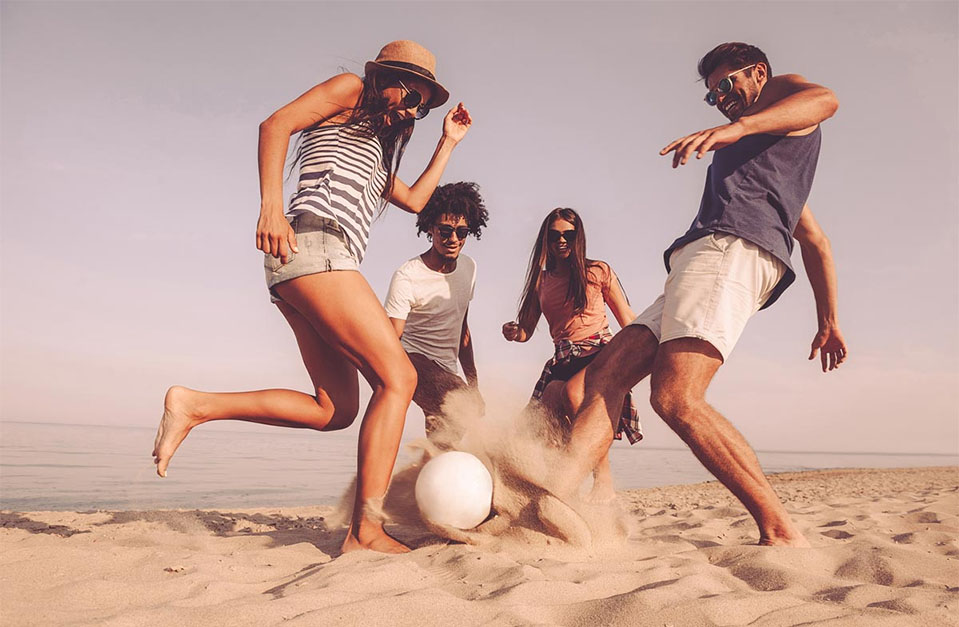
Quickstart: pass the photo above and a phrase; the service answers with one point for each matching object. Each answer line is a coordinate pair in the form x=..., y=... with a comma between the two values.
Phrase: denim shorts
x=323, y=245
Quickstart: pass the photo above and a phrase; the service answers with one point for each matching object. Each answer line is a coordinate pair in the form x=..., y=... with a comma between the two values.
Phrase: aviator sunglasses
x=724, y=87
x=446, y=231
x=553, y=236
x=412, y=99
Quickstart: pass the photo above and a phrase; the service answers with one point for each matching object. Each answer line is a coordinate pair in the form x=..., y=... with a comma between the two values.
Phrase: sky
x=129, y=198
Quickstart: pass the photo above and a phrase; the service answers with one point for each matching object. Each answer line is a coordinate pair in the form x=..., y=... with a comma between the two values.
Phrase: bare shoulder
x=346, y=86
x=778, y=87
x=346, y=80
x=602, y=265
x=601, y=269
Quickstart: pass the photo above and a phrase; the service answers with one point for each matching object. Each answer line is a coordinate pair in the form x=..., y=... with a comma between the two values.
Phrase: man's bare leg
x=683, y=370
x=571, y=399
x=623, y=363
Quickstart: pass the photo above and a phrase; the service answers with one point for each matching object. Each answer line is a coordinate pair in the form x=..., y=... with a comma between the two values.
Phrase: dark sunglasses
x=553, y=236
x=724, y=87
x=412, y=99
x=446, y=232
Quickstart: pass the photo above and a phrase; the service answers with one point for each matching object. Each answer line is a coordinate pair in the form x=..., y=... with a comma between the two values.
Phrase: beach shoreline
x=884, y=552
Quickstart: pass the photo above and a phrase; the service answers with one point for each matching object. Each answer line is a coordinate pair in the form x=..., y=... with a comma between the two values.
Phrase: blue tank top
x=756, y=190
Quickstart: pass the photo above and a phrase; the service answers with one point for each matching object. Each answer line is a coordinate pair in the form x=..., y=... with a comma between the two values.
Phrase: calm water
x=70, y=467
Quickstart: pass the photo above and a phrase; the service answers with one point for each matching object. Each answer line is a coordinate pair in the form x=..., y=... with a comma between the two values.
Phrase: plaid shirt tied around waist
x=567, y=351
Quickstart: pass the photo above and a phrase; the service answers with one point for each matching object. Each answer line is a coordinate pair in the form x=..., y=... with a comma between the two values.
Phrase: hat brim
x=440, y=95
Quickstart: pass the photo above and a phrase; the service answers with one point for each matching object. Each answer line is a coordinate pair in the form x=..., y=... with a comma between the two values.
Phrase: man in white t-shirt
x=429, y=298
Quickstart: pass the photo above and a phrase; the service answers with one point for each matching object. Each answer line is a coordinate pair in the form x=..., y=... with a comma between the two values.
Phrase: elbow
x=830, y=103
x=415, y=205
x=267, y=125
x=818, y=243
x=274, y=126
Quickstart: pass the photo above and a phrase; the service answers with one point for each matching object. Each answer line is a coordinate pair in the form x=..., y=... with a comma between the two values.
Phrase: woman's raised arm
x=414, y=197
x=326, y=101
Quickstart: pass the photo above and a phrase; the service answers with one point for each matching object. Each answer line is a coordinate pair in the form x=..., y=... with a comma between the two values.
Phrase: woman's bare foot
x=175, y=424
x=372, y=537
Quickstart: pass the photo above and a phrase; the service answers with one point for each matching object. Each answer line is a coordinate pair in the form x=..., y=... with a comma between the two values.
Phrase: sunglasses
x=412, y=99
x=553, y=236
x=446, y=232
x=724, y=87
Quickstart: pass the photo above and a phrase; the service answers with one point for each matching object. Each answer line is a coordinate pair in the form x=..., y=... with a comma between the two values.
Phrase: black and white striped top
x=342, y=178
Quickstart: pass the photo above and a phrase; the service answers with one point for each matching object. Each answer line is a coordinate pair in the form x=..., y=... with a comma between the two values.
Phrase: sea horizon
x=67, y=467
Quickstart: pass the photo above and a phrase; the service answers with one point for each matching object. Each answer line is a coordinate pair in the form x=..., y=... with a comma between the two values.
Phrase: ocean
x=46, y=466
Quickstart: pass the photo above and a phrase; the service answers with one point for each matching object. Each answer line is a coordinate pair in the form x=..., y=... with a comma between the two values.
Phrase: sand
x=884, y=553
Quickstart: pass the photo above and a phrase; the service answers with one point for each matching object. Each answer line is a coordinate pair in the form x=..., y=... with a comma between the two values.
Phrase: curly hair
x=734, y=53
x=455, y=199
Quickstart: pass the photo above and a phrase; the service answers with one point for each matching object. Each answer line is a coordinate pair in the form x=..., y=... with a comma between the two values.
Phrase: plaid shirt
x=566, y=352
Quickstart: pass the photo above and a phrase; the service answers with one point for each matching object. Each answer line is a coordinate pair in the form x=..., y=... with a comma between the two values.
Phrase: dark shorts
x=433, y=383
x=565, y=372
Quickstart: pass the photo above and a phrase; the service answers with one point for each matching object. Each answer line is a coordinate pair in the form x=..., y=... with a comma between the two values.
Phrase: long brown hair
x=541, y=259
x=367, y=118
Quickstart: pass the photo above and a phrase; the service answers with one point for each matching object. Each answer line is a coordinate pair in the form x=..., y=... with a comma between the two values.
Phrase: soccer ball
x=454, y=489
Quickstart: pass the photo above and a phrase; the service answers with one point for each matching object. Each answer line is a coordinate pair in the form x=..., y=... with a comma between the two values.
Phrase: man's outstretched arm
x=821, y=270
x=788, y=104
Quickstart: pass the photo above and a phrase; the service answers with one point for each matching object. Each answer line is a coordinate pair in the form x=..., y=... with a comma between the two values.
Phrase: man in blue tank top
x=733, y=261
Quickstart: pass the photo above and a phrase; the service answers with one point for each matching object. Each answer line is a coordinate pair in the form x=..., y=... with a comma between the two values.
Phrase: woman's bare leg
x=340, y=327
x=334, y=406
x=345, y=311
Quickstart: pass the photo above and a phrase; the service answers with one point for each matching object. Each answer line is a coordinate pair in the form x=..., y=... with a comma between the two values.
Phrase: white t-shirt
x=433, y=305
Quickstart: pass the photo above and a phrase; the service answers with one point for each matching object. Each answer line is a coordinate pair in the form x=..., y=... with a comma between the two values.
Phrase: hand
x=704, y=141
x=832, y=348
x=457, y=122
x=511, y=331
x=275, y=236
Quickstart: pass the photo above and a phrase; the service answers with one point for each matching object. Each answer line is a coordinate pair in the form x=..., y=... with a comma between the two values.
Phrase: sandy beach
x=884, y=553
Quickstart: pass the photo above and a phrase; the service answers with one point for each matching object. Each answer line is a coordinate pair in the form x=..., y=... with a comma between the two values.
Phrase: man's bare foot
x=372, y=537
x=175, y=424
x=785, y=535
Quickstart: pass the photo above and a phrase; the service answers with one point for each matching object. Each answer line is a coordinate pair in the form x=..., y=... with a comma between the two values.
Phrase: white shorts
x=715, y=284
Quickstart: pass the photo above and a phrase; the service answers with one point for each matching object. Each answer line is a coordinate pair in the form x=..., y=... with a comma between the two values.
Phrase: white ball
x=454, y=489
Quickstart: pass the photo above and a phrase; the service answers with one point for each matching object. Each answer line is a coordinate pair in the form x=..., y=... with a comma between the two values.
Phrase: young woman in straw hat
x=572, y=293
x=353, y=132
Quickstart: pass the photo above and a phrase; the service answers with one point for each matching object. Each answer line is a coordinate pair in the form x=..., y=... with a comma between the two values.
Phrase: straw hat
x=410, y=58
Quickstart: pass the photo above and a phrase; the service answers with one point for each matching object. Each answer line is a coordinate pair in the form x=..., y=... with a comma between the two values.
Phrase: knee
x=401, y=378
x=673, y=403
x=600, y=379
x=342, y=414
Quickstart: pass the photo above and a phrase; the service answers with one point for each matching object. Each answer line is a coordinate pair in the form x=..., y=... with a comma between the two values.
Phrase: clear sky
x=129, y=194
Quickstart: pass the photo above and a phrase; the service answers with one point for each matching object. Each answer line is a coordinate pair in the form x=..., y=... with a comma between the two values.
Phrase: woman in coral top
x=572, y=292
